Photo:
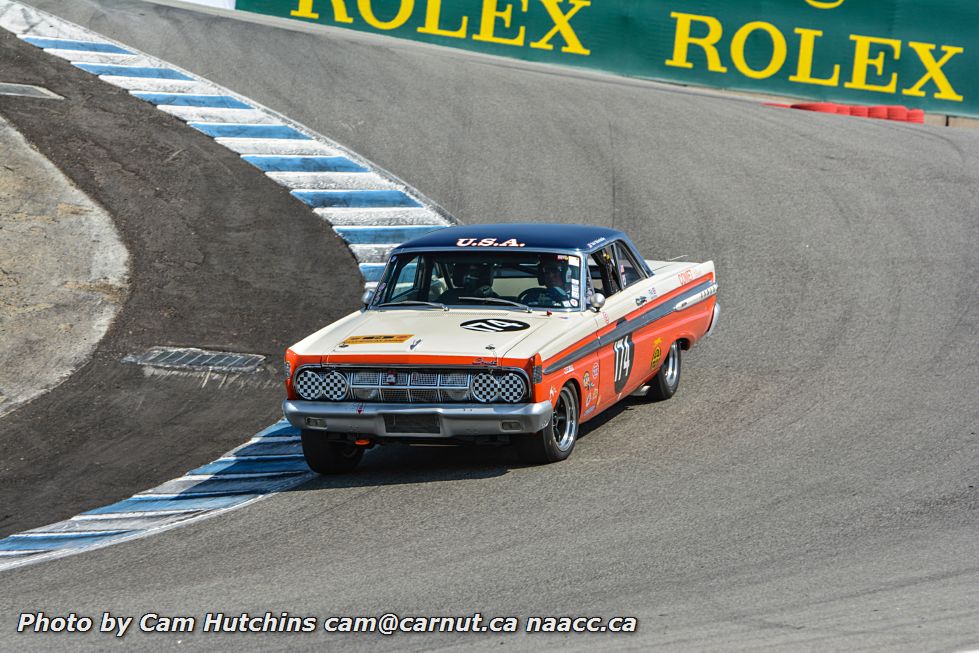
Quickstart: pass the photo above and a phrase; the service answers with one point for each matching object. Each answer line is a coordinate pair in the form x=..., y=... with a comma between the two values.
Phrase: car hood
x=432, y=332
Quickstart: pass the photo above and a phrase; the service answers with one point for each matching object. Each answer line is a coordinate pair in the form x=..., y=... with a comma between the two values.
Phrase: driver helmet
x=552, y=271
x=473, y=275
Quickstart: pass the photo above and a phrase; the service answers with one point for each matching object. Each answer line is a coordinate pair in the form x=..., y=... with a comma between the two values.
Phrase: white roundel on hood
x=494, y=325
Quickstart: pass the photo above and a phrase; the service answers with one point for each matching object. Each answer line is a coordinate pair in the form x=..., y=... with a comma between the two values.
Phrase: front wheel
x=667, y=380
x=556, y=440
x=325, y=457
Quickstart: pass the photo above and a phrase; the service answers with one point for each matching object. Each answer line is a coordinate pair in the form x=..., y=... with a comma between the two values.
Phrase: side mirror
x=596, y=301
x=367, y=297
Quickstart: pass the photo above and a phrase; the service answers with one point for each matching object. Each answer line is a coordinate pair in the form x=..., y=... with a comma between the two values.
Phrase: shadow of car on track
x=397, y=464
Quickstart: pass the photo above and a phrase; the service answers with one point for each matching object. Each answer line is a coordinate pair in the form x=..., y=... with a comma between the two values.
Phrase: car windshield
x=484, y=278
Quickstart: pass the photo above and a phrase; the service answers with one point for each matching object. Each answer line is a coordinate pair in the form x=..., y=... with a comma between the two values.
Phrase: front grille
x=454, y=379
x=367, y=394
x=424, y=395
x=394, y=394
x=424, y=378
x=424, y=386
x=365, y=377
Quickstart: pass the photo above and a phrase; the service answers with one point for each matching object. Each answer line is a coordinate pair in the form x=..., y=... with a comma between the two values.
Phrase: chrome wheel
x=671, y=373
x=564, y=420
x=666, y=381
x=555, y=441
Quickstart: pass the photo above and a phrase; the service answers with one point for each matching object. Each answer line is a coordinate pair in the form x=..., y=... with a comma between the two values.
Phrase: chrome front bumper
x=452, y=420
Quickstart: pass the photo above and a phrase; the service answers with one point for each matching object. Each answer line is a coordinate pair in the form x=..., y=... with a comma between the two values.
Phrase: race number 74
x=623, y=349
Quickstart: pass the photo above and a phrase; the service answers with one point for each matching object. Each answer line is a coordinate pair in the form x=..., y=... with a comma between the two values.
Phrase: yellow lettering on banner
x=487, y=23
x=404, y=13
x=779, y=50
x=432, y=14
x=305, y=10
x=862, y=60
x=807, y=46
x=562, y=24
x=934, y=71
x=683, y=41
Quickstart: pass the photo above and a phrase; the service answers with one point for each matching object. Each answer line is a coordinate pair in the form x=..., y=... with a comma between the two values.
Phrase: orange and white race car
x=495, y=334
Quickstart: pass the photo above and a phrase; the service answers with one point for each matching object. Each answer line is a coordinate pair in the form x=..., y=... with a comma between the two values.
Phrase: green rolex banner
x=920, y=53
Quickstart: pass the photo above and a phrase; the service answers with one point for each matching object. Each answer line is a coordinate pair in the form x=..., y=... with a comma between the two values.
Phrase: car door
x=626, y=285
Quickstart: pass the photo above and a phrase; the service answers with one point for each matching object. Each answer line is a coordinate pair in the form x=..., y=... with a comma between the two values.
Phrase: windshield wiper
x=499, y=300
x=414, y=302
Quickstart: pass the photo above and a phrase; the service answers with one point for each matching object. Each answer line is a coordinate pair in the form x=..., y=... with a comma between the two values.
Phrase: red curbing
x=821, y=107
x=895, y=112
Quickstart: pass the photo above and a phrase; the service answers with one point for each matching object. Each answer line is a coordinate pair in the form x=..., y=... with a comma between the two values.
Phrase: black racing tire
x=664, y=385
x=326, y=457
x=556, y=441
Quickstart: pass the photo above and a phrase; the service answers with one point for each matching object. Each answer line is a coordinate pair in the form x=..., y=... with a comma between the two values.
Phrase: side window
x=407, y=281
x=628, y=270
x=601, y=268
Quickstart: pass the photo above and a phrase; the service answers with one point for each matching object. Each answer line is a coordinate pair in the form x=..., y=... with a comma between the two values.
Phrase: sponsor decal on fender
x=686, y=276
x=375, y=340
x=657, y=354
x=590, y=389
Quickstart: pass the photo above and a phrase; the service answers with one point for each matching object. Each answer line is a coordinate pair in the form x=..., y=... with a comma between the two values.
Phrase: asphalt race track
x=812, y=486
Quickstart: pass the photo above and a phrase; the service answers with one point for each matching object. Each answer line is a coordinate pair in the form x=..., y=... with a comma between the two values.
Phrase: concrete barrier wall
x=918, y=53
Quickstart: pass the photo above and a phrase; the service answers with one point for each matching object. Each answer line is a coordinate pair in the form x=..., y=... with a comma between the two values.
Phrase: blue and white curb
x=272, y=461
x=371, y=209
x=341, y=187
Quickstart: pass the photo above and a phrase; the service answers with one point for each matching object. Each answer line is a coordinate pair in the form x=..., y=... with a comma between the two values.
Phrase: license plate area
x=412, y=423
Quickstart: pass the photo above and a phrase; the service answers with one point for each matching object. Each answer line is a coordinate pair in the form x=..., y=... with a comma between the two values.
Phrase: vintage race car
x=501, y=334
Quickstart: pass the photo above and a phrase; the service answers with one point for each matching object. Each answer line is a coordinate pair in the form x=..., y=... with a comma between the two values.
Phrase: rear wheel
x=325, y=457
x=555, y=441
x=667, y=380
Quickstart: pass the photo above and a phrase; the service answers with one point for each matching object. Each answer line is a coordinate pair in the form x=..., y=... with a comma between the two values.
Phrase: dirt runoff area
x=63, y=273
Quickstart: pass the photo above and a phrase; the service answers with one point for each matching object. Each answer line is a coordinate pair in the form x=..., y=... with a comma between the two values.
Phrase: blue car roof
x=516, y=236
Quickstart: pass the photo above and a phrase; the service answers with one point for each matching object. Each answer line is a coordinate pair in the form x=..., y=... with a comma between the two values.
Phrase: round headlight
x=309, y=385
x=312, y=385
x=512, y=388
x=334, y=386
x=485, y=387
